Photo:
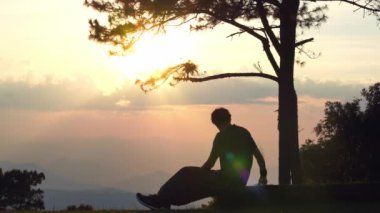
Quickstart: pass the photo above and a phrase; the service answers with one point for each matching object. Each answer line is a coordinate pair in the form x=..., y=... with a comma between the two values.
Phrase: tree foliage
x=129, y=19
x=17, y=190
x=348, y=142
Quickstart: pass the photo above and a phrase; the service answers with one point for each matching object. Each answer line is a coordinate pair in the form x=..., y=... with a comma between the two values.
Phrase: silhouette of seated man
x=235, y=148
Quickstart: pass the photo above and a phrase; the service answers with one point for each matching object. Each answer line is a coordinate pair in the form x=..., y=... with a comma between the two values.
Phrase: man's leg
x=151, y=201
x=190, y=184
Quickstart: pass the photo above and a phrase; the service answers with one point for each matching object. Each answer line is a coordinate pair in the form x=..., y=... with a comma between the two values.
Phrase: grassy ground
x=320, y=208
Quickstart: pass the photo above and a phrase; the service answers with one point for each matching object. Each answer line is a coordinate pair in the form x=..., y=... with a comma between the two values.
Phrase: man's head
x=221, y=117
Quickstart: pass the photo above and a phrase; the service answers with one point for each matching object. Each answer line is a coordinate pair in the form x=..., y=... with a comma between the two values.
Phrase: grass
x=315, y=208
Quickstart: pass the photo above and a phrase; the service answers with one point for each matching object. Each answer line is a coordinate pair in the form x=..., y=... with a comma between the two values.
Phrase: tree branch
x=268, y=30
x=229, y=75
x=270, y=57
x=234, y=34
x=263, y=40
x=162, y=22
x=236, y=24
x=253, y=28
x=352, y=2
x=273, y=2
x=303, y=42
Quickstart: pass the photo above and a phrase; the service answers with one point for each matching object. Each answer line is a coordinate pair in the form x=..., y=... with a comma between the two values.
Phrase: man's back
x=234, y=147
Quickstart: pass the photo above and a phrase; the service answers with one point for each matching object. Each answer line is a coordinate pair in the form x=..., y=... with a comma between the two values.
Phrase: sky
x=68, y=106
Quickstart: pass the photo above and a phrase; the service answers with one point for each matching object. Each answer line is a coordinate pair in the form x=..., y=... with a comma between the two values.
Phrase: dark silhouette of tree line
x=278, y=25
x=18, y=192
x=347, y=148
x=81, y=207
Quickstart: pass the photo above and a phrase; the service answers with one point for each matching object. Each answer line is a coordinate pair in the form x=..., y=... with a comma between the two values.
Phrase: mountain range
x=61, y=192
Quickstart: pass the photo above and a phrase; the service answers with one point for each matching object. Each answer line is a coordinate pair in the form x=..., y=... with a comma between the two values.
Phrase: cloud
x=243, y=91
x=83, y=94
x=44, y=96
x=329, y=89
x=123, y=103
x=9, y=65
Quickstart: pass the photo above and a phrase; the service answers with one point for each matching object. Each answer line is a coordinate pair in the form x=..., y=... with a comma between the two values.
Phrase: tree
x=348, y=142
x=17, y=190
x=273, y=23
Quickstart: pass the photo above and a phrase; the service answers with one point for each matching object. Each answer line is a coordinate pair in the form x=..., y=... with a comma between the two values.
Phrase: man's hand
x=263, y=180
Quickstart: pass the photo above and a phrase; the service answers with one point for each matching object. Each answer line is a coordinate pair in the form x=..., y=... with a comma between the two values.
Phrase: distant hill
x=147, y=183
x=99, y=199
x=6, y=165
x=52, y=181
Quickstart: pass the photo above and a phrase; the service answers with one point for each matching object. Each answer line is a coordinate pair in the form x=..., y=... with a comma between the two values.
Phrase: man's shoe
x=151, y=201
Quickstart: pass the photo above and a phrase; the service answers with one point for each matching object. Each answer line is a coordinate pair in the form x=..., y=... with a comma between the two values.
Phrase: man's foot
x=151, y=201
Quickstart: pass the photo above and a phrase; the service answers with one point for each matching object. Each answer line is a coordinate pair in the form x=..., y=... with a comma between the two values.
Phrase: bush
x=81, y=207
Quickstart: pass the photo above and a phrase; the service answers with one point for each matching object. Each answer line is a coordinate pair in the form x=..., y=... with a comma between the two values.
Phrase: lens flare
x=238, y=165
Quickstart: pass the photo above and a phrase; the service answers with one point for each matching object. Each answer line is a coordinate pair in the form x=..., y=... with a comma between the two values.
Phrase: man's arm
x=211, y=159
x=209, y=163
x=261, y=162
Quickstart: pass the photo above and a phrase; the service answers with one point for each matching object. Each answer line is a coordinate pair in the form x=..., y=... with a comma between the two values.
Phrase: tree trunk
x=289, y=163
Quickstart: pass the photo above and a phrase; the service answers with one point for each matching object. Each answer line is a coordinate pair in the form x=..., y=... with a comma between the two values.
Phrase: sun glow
x=154, y=52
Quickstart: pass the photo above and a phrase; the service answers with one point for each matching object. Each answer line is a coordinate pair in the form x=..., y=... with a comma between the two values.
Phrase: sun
x=155, y=52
